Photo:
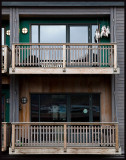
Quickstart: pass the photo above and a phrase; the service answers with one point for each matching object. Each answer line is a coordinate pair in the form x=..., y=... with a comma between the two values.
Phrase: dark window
x=67, y=107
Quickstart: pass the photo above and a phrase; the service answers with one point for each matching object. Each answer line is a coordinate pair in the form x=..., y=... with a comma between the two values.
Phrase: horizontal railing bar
x=70, y=44
x=67, y=123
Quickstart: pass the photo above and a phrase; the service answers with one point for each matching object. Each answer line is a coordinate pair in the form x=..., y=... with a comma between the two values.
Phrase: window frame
x=68, y=25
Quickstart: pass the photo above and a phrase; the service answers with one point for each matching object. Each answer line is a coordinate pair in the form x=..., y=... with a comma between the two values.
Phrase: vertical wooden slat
x=95, y=134
x=101, y=135
x=19, y=55
x=40, y=135
x=34, y=135
x=58, y=134
x=65, y=140
x=92, y=135
x=31, y=135
x=110, y=135
x=33, y=56
x=86, y=134
x=22, y=135
x=113, y=134
x=71, y=134
x=74, y=134
x=37, y=133
x=28, y=135
x=103, y=55
x=61, y=134
x=30, y=55
x=43, y=134
x=19, y=135
x=49, y=134
x=107, y=136
x=98, y=134
x=22, y=55
x=25, y=134
x=55, y=134
x=100, y=55
x=83, y=135
x=46, y=134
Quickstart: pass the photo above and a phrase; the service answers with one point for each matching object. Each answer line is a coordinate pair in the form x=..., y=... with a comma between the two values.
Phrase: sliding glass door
x=65, y=107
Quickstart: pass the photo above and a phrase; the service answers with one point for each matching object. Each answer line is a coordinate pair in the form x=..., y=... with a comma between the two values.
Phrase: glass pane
x=53, y=108
x=52, y=34
x=94, y=27
x=34, y=108
x=34, y=33
x=3, y=34
x=80, y=108
x=79, y=34
x=96, y=107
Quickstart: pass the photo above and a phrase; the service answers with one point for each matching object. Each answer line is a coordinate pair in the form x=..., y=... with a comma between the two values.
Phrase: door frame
x=68, y=109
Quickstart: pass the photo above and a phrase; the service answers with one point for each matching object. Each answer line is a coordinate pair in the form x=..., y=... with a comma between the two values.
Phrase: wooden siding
x=66, y=84
x=119, y=80
x=65, y=11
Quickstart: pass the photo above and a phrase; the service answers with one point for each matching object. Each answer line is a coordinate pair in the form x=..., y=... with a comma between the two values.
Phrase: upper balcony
x=64, y=58
x=5, y=58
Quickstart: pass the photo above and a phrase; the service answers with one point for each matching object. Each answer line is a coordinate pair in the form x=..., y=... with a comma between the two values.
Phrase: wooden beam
x=13, y=137
x=72, y=70
x=117, y=139
x=70, y=150
x=13, y=58
x=65, y=138
x=5, y=136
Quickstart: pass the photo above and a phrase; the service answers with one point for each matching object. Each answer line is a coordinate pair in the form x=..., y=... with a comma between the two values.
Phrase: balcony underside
x=69, y=70
x=69, y=150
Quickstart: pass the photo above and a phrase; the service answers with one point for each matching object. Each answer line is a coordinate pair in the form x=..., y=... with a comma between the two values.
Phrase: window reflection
x=52, y=34
x=34, y=33
x=79, y=34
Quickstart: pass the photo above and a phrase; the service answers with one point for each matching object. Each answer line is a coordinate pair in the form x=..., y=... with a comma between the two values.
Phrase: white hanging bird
x=107, y=31
x=103, y=31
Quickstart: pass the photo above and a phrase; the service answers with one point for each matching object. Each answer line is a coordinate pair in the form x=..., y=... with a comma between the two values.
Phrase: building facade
x=63, y=77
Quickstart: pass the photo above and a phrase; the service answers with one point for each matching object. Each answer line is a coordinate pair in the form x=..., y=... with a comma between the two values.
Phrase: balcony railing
x=6, y=135
x=64, y=56
x=68, y=134
x=6, y=58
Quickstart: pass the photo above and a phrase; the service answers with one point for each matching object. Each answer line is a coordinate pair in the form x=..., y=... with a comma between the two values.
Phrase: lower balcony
x=60, y=58
x=65, y=138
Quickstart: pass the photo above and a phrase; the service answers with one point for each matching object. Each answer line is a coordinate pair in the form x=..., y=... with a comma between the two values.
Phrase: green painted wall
x=25, y=38
x=5, y=24
x=27, y=22
x=6, y=93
